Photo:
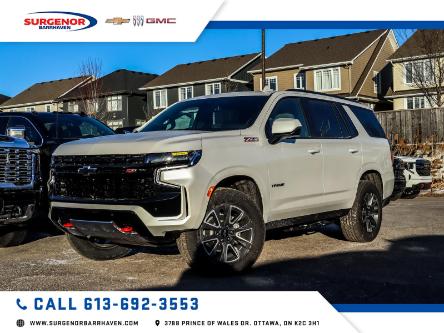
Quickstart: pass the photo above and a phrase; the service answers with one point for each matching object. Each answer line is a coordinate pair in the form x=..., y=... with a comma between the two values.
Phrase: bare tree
x=90, y=93
x=424, y=66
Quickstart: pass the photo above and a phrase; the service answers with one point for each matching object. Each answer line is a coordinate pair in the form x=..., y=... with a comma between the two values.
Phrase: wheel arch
x=244, y=184
x=374, y=176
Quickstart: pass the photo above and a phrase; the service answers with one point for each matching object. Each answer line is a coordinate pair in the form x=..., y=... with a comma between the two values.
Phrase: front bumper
x=134, y=215
x=18, y=207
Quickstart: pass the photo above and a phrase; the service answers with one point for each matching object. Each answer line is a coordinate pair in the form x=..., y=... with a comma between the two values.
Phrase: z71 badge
x=251, y=139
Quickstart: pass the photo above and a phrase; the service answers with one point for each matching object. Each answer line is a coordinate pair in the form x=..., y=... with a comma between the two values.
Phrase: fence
x=413, y=126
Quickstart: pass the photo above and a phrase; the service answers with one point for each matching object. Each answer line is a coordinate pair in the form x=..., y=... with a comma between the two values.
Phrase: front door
x=295, y=166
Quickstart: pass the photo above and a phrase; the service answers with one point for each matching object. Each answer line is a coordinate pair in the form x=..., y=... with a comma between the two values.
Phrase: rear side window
x=352, y=131
x=369, y=121
x=324, y=119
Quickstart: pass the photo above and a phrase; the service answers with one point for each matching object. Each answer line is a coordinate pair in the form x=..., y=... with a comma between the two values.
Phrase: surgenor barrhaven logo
x=57, y=20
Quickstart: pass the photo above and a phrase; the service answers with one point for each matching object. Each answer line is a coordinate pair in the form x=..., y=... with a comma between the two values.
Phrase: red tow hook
x=127, y=230
x=68, y=224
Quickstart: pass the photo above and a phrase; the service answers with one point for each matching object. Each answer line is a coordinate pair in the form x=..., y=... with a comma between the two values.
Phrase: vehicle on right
x=418, y=175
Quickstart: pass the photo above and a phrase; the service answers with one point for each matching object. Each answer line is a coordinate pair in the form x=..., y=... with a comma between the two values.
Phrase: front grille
x=423, y=167
x=16, y=166
x=106, y=177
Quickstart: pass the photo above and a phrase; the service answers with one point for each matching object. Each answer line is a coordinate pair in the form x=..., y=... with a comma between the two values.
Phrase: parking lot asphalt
x=405, y=264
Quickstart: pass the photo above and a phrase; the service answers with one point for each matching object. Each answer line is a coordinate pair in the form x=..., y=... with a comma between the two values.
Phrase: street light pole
x=263, y=59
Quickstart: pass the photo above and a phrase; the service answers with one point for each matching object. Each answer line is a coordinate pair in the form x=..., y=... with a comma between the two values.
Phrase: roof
x=119, y=81
x=3, y=98
x=202, y=71
x=323, y=51
x=409, y=92
x=45, y=91
x=414, y=46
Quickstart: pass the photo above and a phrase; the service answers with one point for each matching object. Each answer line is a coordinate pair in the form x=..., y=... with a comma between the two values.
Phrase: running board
x=308, y=221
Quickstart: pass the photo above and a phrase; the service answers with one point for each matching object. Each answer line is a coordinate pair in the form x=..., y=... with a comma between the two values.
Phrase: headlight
x=178, y=158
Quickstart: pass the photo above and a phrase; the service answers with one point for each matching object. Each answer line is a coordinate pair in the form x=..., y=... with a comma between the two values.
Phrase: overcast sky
x=23, y=64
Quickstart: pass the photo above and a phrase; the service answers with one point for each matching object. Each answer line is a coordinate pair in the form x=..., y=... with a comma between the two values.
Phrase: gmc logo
x=158, y=20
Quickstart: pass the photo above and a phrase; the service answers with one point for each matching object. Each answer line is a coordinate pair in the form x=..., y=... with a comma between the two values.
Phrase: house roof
x=45, y=91
x=119, y=81
x=403, y=93
x=323, y=51
x=414, y=46
x=202, y=71
x=3, y=98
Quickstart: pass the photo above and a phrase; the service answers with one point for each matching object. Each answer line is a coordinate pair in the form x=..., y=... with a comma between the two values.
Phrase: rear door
x=341, y=149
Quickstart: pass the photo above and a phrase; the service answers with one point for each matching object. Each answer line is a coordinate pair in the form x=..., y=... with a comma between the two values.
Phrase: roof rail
x=321, y=94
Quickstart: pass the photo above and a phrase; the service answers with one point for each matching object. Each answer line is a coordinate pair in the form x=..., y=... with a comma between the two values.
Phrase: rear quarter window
x=369, y=121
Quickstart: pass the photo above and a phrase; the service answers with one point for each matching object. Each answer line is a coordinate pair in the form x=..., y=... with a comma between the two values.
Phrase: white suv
x=215, y=172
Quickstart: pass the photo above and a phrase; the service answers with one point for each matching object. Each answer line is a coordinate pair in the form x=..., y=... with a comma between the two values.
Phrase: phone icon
x=23, y=307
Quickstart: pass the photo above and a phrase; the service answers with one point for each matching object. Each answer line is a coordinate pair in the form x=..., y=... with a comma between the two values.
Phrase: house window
x=420, y=71
x=327, y=79
x=160, y=99
x=418, y=102
x=213, y=88
x=73, y=107
x=271, y=82
x=376, y=83
x=115, y=124
x=299, y=81
x=30, y=109
x=185, y=93
x=114, y=103
x=140, y=122
x=48, y=108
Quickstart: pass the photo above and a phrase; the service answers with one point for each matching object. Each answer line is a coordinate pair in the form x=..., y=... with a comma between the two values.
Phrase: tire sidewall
x=368, y=187
x=93, y=251
x=13, y=236
x=197, y=256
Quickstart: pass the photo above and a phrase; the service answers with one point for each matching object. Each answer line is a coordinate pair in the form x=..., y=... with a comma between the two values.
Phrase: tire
x=218, y=245
x=13, y=237
x=364, y=219
x=97, y=251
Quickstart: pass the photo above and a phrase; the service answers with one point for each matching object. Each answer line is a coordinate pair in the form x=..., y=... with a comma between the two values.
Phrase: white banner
x=169, y=312
x=104, y=21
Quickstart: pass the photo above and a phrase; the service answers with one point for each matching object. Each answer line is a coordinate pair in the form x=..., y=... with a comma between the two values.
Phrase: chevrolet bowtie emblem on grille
x=117, y=20
x=87, y=170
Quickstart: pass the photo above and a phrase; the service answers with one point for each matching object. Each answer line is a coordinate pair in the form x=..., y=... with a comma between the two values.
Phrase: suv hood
x=135, y=143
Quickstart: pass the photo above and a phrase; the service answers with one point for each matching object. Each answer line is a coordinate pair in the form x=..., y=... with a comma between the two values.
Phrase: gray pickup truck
x=20, y=188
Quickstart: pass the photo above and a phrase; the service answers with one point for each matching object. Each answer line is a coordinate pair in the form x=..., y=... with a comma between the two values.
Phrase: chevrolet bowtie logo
x=87, y=170
x=117, y=20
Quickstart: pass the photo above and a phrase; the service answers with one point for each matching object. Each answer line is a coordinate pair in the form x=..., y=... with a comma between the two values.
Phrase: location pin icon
x=157, y=322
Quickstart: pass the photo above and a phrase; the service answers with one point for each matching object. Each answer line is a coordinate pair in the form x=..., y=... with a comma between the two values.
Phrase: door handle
x=353, y=150
x=314, y=151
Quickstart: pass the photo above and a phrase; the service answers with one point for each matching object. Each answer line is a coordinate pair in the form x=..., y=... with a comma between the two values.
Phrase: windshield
x=67, y=127
x=210, y=114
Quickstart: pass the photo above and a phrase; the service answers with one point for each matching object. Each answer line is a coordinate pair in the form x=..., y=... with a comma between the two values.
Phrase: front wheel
x=230, y=238
x=363, y=222
x=97, y=250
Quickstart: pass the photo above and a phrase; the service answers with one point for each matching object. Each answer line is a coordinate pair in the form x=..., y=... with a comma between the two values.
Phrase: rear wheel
x=12, y=237
x=363, y=222
x=96, y=250
x=230, y=237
